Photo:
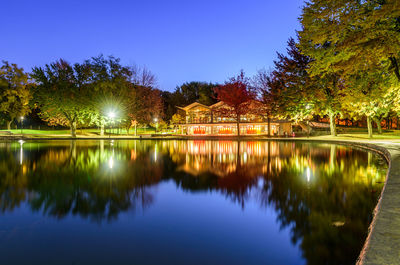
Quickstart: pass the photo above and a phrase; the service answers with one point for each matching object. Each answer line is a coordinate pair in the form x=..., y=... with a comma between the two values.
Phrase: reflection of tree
x=324, y=193
x=78, y=180
x=330, y=214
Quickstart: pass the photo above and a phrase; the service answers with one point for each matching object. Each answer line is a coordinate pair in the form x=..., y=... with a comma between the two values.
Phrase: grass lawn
x=362, y=134
x=79, y=132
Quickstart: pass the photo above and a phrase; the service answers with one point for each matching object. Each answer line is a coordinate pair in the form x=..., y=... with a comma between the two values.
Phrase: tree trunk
x=102, y=129
x=378, y=126
x=332, y=124
x=73, y=129
x=269, y=126
x=9, y=125
x=135, y=130
x=369, y=125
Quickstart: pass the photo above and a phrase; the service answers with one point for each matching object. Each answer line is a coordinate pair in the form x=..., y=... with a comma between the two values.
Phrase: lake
x=185, y=202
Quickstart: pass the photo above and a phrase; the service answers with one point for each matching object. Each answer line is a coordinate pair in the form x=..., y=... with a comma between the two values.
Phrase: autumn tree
x=15, y=92
x=62, y=95
x=145, y=104
x=238, y=95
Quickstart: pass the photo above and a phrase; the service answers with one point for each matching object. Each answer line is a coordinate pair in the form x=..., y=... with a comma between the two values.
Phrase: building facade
x=200, y=119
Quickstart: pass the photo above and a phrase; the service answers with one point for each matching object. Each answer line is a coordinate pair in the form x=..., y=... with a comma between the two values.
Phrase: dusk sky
x=179, y=41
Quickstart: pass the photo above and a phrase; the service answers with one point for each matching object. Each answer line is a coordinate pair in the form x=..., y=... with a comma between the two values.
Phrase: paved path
x=383, y=243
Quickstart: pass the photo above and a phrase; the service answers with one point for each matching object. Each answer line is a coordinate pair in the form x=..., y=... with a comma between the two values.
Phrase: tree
x=14, y=92
x=238, y=95
x=261, y=82
x=109, y=87
x=352, y=36
x=352, y=39
x=287, y=88
x=177, y=119
x=201, y=92
x=145, y=104
x=374, y=98
x=186, y=94
x=62, y=95
x=141, y=76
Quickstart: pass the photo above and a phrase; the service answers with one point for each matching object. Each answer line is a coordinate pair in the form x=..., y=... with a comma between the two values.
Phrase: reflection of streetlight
x=156, y=121
x=22, y=123
x=21, y=151
x=111, y=162
x=308, y=174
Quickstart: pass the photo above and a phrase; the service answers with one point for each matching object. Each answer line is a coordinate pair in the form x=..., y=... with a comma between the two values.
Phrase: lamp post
x=111, y=115
x=22, y=123
x=156, y=121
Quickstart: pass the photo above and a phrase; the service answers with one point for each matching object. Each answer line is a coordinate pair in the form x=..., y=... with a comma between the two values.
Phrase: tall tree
x=62, y=95
x=109, y=86
x=238, y=95
x=288, y=86
x=201, y=92
x=369, y=94
x=261, y=81
x=142, y=76
x=14, y=92
x=350, y=39
x=145, y=104
x=352, y=36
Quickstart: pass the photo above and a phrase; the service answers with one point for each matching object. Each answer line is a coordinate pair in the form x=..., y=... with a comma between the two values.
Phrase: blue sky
x=191, y=40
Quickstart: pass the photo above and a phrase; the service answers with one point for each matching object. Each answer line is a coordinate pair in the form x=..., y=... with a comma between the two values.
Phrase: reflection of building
x=202, y=120
x=225, y=157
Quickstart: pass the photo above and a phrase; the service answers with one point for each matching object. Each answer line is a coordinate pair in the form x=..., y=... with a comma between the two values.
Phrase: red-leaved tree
x=237, y=94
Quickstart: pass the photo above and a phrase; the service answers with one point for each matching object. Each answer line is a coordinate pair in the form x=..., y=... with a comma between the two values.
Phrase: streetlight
x=111, y=115
x=22, y=123
x=156, y=121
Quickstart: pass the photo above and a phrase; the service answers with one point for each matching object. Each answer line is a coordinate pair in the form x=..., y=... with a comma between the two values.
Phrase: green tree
x=369, y=94
x=62, y=94
x=201, y=92
x=353, y=39
x=14, y=92
x=109, y=88
x=351, y=36
x=288, y=87
x=186, y=94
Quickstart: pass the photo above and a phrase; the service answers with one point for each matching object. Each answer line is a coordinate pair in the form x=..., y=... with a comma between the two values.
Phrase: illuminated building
x=208, y=120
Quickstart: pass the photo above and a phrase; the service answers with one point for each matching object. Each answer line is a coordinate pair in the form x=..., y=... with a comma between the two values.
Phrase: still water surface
x=185, y=202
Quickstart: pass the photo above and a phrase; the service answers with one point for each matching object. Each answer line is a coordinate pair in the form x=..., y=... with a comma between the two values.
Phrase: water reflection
x=323, y=193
